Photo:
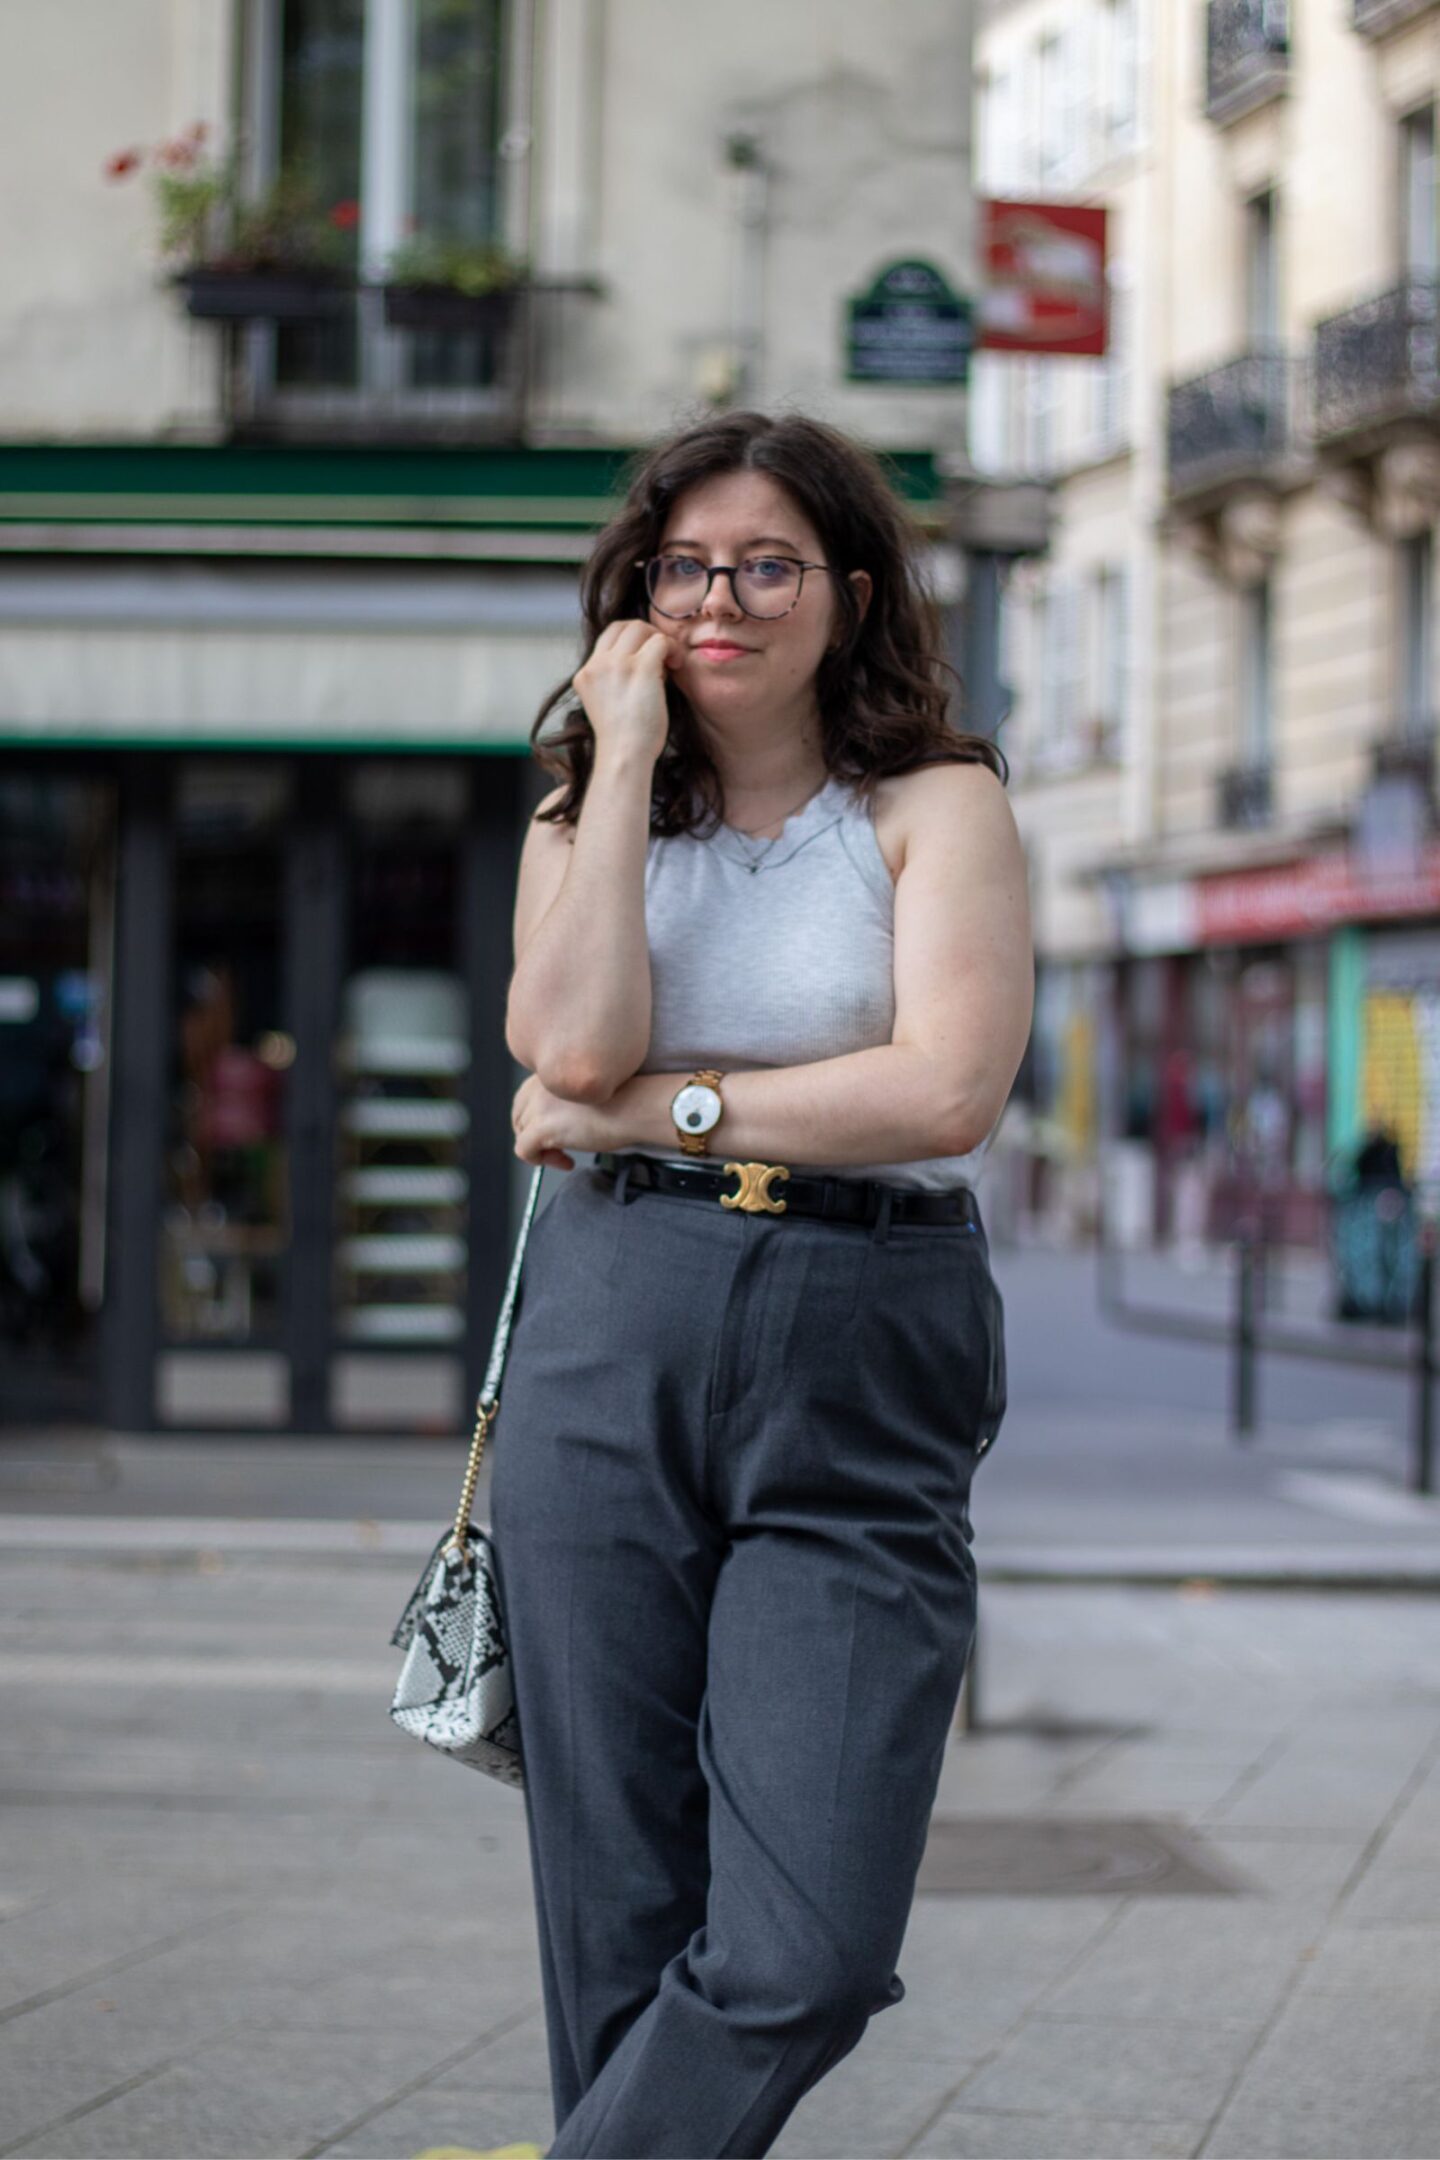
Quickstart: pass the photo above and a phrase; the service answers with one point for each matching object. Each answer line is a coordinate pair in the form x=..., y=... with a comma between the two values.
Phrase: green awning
x=555, y=491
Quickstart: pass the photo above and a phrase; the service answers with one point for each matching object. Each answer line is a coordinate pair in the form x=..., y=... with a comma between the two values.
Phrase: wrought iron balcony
x=1377, y=18
x=1229, y=425
x=380, y=369
x=1379, y=362
x=1244, y=796
x=1247, y=55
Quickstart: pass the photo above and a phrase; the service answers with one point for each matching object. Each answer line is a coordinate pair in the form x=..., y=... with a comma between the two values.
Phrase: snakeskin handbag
x=456, y=1689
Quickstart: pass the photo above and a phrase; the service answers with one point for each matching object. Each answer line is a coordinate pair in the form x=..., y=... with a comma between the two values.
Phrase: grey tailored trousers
x=729, y=1495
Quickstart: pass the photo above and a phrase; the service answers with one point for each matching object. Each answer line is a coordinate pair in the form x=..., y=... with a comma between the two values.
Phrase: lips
x=720, y=645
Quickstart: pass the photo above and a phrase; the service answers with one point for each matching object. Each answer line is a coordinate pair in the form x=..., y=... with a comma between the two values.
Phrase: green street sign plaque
x=910, y=328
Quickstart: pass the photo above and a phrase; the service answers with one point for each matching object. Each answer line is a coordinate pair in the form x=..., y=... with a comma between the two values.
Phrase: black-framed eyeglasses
x=764, y=585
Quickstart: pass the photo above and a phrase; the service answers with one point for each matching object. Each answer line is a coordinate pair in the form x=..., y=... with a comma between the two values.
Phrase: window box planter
x=443, y=307
x=279, y=295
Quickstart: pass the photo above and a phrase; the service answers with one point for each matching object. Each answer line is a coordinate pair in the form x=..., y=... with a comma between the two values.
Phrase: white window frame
x=1109, y=660
x=384, y=195
x=1418, y=234
x=1110, y=381
x=1119, y=73
x=1262, y=268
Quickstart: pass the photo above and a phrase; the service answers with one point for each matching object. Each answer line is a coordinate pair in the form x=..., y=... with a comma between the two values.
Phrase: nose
x=720, y=602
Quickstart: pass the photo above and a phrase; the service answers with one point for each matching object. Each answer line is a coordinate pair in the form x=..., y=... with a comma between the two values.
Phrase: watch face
x=696, y=1109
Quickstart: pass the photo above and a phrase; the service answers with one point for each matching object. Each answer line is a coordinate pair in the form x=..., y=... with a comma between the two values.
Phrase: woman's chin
x=709, y=691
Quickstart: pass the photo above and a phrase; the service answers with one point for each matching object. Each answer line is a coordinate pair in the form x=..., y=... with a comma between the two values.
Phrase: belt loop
x=882, y=1219
x=622, y=1180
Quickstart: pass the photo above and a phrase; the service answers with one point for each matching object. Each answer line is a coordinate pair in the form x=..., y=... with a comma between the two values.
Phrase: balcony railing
x=354, y=376
x=1244, y=796
x=1229, y=425
x=1247, y=55
x=1376, y=18
x=1378, y=362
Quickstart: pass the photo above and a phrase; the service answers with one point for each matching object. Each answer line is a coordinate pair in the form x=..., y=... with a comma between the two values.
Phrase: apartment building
x=1064, y=111
x=285, y=574
x=1264, y=904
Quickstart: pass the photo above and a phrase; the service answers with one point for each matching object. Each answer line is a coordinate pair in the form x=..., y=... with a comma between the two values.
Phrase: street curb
x=1339, y=1567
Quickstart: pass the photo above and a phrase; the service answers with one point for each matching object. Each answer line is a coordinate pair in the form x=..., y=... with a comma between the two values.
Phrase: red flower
x=345, y=215
x=124, y=161
x=178, y=155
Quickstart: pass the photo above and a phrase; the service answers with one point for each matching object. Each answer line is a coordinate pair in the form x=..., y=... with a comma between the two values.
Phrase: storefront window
x=401, y=1187
x=226, y=1207
x=56, y=902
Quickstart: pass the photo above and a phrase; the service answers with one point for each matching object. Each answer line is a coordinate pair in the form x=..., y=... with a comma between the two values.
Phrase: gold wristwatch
x=697, y=1110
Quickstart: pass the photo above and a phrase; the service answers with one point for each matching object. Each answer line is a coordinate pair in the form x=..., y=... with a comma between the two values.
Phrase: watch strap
x=696, y=1143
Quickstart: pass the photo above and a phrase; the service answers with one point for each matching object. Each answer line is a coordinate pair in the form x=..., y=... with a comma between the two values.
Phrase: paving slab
x=1291, y=1739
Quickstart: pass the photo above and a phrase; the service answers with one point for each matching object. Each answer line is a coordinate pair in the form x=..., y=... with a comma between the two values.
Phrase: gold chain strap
x=458, y=1542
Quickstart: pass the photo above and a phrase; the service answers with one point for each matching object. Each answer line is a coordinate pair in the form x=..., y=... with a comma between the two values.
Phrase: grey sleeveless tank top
x=783, y=963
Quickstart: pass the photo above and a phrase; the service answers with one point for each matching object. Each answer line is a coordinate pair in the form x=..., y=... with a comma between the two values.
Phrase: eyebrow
x=759, y=540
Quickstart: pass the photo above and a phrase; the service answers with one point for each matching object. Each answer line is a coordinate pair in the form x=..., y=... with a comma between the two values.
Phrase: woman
x=773, y=969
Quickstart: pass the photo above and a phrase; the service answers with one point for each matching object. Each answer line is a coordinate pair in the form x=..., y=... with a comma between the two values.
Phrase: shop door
x=228, y=1147
x=404, y=1102
x=304, y=944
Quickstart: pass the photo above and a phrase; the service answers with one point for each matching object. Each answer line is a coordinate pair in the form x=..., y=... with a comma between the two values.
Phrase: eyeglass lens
x=763, y=584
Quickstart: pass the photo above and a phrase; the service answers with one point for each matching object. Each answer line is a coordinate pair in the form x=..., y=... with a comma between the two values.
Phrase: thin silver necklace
x=753, y=862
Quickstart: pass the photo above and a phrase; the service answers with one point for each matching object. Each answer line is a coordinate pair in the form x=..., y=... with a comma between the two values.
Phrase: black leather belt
x=771, y=1189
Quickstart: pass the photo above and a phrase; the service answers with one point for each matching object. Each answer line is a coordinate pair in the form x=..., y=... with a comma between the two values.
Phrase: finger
x=631, y=635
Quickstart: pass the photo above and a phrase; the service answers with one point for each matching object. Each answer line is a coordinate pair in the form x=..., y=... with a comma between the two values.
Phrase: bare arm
x=579, y=1007
x=578, y=1013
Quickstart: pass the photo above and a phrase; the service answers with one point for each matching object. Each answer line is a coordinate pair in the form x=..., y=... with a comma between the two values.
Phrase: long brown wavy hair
x=881, y=693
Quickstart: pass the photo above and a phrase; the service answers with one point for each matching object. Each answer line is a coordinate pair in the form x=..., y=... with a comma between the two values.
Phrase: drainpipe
x=745, y=158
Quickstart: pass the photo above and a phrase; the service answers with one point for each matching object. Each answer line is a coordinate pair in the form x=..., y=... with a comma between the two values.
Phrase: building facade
x=282, y=591
x=1265, y=902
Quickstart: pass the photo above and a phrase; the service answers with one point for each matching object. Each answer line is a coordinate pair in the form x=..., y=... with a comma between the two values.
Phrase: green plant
x=208, y=221
x=464, y=266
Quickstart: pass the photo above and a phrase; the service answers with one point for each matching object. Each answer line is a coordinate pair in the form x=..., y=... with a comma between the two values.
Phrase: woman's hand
x=622, y=687
x=547, y=1126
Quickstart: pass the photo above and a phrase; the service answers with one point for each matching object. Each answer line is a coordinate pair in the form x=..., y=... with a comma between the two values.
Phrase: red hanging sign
x=1043, y=286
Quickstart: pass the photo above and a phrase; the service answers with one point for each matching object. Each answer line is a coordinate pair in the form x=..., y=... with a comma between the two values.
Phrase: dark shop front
x=257, y=1163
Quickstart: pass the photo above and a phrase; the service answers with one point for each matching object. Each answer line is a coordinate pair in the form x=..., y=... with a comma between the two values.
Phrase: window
x=994, y=131
x=1256, y=675
x=1119, y=76
x=1419, y=255
x=1107, y=695
x=1110, y=376
x=1058, y=740
x=395, y=109
x=1262, y=288
x=1054, y=109
x=1416, y=625
x=1040, y=423
x=989, y=412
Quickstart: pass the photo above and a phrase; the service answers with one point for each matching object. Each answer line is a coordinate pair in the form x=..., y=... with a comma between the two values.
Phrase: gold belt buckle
x=754, y=1195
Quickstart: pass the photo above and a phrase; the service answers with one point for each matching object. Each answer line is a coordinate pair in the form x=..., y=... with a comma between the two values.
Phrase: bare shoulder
x=938, y=804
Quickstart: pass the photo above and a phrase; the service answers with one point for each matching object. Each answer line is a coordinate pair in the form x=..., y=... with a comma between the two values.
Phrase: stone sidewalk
x=1182, y=1893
